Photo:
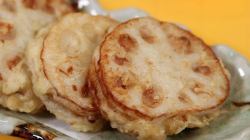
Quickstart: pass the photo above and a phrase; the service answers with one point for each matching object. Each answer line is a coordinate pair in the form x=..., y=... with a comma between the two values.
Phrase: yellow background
x=216, y=21
x=3, y=137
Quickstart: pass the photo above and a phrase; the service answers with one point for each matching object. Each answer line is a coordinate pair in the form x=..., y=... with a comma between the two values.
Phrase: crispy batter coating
x=59, y=59
x=153, y=79
x=19, y=22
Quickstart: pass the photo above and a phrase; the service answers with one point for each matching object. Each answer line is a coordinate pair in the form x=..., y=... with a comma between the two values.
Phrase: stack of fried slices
x=153, y=79
x=144, y=77
x=20, y=20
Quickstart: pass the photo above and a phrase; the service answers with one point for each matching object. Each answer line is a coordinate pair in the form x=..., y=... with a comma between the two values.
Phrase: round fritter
x=60, y=68
x=143, y=128
x=44, y=90
x=19, y=21
x=156, y=76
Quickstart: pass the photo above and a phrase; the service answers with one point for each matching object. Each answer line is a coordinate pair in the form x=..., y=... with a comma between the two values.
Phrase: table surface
x=216, y=21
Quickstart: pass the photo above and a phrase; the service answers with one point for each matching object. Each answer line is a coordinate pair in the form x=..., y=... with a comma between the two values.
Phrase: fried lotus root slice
x=157, y=71
x=18, y=25
x=161, y=69
x=55, y=7
x=127, y=121
x=65, y=57
x=43, y=89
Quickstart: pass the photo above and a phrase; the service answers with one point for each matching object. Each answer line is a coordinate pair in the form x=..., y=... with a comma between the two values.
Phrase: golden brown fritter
x=59, y=59
x=154, y=79
x=19, y=22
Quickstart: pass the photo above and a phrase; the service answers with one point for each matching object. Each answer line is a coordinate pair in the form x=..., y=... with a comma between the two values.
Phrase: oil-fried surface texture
x=59, y=59
x=155, y=76
x=19, y=21
x=174, y=72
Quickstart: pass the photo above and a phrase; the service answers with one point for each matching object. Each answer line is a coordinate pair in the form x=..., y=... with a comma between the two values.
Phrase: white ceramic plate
x=233, y=124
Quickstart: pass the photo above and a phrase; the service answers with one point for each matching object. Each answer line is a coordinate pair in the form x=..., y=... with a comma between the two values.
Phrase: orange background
x=3, y=137
x=216, y=21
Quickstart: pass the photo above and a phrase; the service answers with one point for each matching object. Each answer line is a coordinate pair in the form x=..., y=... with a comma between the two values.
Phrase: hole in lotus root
x=6, y=31
x=205, y=70
x=150, y=98
x=147, y=35
x=13, y=62
x=120, y=60
x=127, y=42
x=181, y=44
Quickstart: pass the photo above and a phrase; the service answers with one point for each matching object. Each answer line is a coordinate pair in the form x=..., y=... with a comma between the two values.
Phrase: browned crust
x=207, y=47
x=92, y=85
x=111, y=99
x=137, y=112
x=1, y=77
x=13, y=62
x=7, y=31
x=126, y=112
x=10, y=8
x=64, y=101
x=75, y=108
x=51, y=6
